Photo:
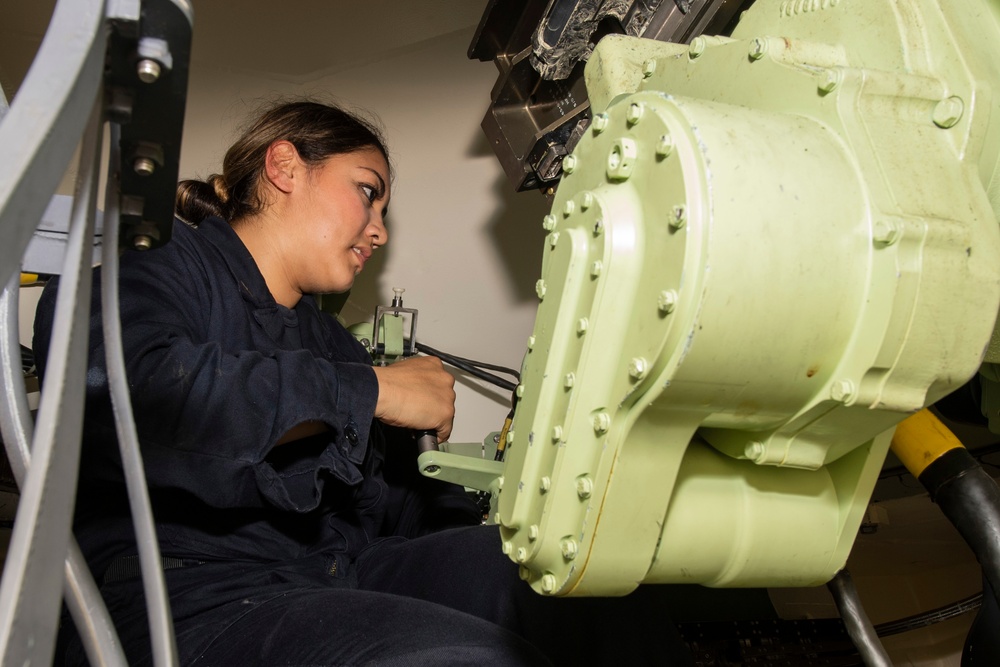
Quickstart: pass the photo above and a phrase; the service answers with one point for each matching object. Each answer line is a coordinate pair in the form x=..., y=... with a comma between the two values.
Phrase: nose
x=377, y=231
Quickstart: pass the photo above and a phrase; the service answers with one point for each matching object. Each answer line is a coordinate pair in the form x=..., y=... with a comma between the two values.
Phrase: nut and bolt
x=586, y=201
x=648, y=68
x=598, y=227
x=506, y=547
x=595, y=268
x=602, y=422
x=600, y=123
x=545, y=484
x=549, y=222
x=532, y=533
x=524, y=573
x=758, y=47
x=638, y=368
x=667, y=301
x=548, y=583
x=569, y=164
x=948, y=112
x=754, y=451
x=581, y=325
x=584, y=487
x=842, y=391
x=144, y=166
x=557, y=434
x=521, y=555
x=569, y=548
x=553, y=239
x=678, y=216
x=664, y=146
x=540, y=288
x=830, y=80
x=568, y=208
x=142, y=242
x=569, y=380
x=886, y=232
x=634, y=113
x=531, y=342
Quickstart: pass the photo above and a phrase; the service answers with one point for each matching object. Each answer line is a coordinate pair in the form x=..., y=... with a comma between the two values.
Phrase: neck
x=255, y=232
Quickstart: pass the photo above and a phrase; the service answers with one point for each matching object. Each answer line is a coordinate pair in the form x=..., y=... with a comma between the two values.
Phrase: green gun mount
x=765, y=252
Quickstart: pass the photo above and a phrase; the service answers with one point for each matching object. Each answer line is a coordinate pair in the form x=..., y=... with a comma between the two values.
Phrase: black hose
x=469, y=367
x=859, y=628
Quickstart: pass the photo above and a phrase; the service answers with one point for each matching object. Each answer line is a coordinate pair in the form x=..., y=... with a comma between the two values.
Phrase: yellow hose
x=921, y=439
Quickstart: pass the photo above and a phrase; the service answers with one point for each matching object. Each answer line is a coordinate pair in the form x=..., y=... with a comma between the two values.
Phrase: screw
x=678, y=217
x=569, y=380
x=144, y=166
x=830, y=80
x=602, y=422
x=584, y=487
x=842, y=391
x=648, y=68
x=754, y=451
x=533, y=533
x=638, y=367
x=634, y=113
x=697, y=47
x=596, y=268
x=667, y=301
x=948, y=112
x=522, y=554
x=148, y=70
x=548, y=583
x=600, y=123
x=581, y=325
x=886, y=232
x=664, y=146
x=569, y=164
x=545, y=484
x=142, y=242
x=568, y=548
x=758, y=47
x=540, y=288
x=549, y=222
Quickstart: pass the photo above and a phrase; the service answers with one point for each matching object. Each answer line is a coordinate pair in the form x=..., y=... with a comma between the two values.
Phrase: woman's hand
x=417, y=393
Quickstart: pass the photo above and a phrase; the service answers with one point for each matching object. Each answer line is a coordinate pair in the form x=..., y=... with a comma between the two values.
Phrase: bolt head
x=697, y=47
x=586, y=201
x=584, y=487
x=553, y=239
x=830, y=80
x=521, y=555
x=148, y=70
x=664, y=146
x=532, y=533
x=758, y=47
x=557, y=434
x=531, y=342
x=569, y=164
x=600, y=123
x=948, y=112
x=634, y=113
x=569, y=207
x=540, y=288
x=598, y=227
x=524, y=573
x=886, y=232
x=519, y=391
x=648, y=68
x=569, y=380
x=581, y=325
x=754, y=451
x=142, y=242
x=595, y=268
x=569, y=548
x=507, y=547
x=667, y=301
x=602, y=422
x=548, y=583
x=678, y=216
x=549, y=223
x=842, y=391
x=638, y=367
x=545, y=484
x=510, y=440
x=144, y=166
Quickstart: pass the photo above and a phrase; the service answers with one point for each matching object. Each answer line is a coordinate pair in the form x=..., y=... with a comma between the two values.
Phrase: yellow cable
x=29, y=278
x=921, y=439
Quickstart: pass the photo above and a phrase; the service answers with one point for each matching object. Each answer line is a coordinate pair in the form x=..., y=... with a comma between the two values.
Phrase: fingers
x=417, y=393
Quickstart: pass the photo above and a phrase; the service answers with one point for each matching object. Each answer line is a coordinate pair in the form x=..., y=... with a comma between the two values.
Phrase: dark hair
x=318, y=131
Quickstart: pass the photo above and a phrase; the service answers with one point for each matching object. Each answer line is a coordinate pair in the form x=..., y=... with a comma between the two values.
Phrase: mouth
x=363, y=254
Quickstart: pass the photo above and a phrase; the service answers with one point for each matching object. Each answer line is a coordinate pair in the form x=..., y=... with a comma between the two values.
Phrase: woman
x=293, y=526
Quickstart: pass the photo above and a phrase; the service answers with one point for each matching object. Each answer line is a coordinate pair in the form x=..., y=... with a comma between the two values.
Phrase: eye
x=371, y=192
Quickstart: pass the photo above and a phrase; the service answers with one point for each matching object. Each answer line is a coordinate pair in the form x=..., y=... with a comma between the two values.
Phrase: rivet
x=549, y=223
x=524, y=573
x=569, y=164
x=531, y=342
x=545, y=484
x=569, y=207
x=500, y=482
x=600, y=123
x=664, y=146
x=569, y=380
x=886, y=232
x=754, y=451
x=507, y=547
x=667, y=301
x=521, y=555
x=569, y=548
x=638, y=367
x=758, y=47
x=602, y=422
x=595, y=268
x=586, y=201
x=830, y=80
x=948, y=112
x=557, y=434
x=584, y=487
x=648, y=68
x=548, y=583
x=144, y=166
x=678, y=216
x=598, y=227
x=533, y=533
x=581, y=325
x=697, y=47
x=142, y=242
x=148, y=70
x=519, y=391
x=553, y=239
x=540, y=288
x=842, y=390
x=634, y=113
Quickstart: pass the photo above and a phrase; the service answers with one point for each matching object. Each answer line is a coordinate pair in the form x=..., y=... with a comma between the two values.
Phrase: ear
x=281, y=165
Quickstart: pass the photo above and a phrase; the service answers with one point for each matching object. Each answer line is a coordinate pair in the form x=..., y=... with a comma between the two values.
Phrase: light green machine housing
x=766, y=251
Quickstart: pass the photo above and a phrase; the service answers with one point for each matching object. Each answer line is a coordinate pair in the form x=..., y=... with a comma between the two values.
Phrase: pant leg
x=297, y=614
x=465, y=569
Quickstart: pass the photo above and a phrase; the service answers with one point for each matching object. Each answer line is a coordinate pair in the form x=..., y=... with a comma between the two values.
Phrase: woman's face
x=340, y=219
